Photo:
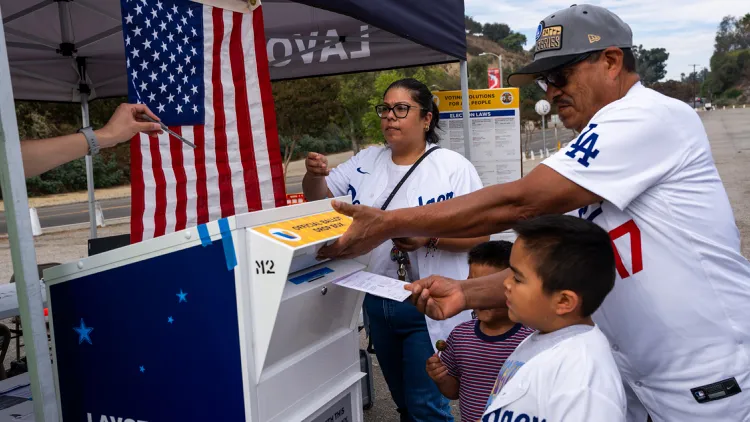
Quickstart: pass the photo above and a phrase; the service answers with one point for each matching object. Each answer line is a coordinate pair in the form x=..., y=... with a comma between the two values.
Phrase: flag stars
x=195, y=109
x=170, y=98
x=163, y=67
x=156, y=55
x=135, y=52
x=158, y=4
x=138, y=10
x=183, y=20
x=134, y=74
x=129, y=19
x=160, y=108
x=174, y=9
x=155, y=34
x=163, y=88
x=142, y=369
x=187, y=59
x=184, y=79
x=185, y=39
x=170, y=320
x=137, y=31
x=179, y=29
x=144, y=65
x=169, y=16
x=179, y=69
x=194, y=89
x=127, y=40
x=182, y=296
x=143, y=86
x=147, y=44
x=190, y=12
x=163, y=26
x=153, y=77
x=186, y=98
x=171, y=78
x=179, y=49
x=164, y=46
x=153, y=13
x=179, y=89
x=192, y=70
x=148, y=23
x=179, y=109
x=170, y=37
x=192, y=50
x=172, y=58
x=151, y=97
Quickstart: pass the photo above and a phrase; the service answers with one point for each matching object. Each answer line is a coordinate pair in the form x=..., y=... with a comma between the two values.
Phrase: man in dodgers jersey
x=678, y=319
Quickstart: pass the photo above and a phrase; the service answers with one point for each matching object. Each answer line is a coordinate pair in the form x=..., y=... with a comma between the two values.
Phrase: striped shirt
x=475, y=359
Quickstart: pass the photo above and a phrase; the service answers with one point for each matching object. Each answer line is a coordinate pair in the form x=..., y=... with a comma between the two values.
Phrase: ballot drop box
x=233, y=320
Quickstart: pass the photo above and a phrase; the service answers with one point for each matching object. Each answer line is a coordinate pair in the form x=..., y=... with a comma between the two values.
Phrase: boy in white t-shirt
x=562, y=269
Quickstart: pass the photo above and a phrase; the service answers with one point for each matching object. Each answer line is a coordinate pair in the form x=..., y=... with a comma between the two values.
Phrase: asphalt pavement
x=63, y=215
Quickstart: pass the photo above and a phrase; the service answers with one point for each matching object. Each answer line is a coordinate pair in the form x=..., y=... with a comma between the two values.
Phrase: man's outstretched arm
x=490, y=210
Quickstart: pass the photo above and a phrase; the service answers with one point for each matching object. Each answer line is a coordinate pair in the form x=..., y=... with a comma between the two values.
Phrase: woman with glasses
x=404, y=338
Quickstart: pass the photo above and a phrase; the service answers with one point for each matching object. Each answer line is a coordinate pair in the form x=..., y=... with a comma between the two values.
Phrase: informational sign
x=495, y=129
x=341, y=411
x=493, y=78
x=307, y=230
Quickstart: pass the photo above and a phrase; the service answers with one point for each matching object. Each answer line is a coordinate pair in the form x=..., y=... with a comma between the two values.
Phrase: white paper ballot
x=377, y=285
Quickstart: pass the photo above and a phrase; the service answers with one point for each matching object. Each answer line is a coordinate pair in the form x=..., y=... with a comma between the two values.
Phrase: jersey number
x=636, y=253
x=586, y=146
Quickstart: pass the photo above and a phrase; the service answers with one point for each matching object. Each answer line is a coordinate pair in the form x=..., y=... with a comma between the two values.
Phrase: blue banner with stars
x=155, y=340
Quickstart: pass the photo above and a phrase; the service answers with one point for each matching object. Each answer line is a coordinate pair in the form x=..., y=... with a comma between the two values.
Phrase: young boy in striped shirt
x=476, y=350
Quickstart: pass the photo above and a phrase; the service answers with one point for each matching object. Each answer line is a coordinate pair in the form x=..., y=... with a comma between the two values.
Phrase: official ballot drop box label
x=307, y=230
x=341, y=411
x=495, y=131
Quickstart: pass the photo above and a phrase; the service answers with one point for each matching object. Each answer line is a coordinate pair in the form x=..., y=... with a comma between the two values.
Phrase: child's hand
x=436, y=369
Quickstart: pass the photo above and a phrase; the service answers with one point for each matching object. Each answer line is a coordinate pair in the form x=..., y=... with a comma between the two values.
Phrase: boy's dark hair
x=571, y=253
x=495, y=253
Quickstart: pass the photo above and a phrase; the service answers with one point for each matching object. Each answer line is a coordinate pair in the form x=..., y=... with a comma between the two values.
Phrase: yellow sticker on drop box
x=307, y=230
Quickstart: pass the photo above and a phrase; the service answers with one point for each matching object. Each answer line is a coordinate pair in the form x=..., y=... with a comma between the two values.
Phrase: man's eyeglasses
x=558, y=77
x=399, y=110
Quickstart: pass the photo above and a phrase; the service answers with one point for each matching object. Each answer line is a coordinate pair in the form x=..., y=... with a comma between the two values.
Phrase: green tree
x=355, y=92
x=496, y=31
x=651, y=64
x=305, y=107
x=472, y=26
x=514, y=42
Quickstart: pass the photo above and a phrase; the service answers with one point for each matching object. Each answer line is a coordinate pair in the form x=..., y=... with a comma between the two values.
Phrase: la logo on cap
x=594, y=38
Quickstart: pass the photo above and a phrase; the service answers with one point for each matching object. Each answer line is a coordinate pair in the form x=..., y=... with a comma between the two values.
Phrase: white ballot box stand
x=235, y=320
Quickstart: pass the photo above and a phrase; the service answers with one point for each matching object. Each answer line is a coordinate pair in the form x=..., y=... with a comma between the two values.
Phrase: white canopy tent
x=87, y=61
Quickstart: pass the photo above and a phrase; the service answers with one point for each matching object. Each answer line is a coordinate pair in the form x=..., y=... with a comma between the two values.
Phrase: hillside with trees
x=324, y=114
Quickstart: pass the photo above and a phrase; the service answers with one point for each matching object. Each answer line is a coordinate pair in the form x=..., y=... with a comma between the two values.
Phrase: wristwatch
x=88, y=133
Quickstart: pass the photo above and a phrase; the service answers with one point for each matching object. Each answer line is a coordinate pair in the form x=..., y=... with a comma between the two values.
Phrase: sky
x=686, y=28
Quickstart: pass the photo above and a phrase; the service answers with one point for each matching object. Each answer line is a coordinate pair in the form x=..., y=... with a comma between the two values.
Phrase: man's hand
x=411, y=244
x=317, y=164
x=368, y=230
x=436, y=369
x=125, y=123
x=437, y=297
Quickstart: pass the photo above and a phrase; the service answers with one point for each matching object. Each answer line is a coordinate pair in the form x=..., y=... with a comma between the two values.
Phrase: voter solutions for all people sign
x=496, y=131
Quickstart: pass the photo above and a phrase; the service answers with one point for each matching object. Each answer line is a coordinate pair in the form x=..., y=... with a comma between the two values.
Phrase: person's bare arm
x=41, y=155
x=314, y=185
x=490, y=210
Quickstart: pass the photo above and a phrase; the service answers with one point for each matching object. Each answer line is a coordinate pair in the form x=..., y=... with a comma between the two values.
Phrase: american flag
x=204, y=71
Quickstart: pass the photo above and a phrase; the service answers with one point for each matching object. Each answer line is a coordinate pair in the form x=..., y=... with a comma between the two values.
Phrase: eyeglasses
x=558, y=77
x=399, y=110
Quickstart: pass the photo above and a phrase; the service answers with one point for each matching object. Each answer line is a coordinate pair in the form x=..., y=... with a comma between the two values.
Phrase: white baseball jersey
x=576, y=380
x=370, y=176
x=678, y=318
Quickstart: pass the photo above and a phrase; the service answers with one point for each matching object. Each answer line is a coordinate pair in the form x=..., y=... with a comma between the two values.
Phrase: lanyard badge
x=402, y=259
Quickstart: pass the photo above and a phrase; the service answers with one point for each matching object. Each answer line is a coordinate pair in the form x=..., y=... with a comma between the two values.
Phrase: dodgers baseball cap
x=565, y=35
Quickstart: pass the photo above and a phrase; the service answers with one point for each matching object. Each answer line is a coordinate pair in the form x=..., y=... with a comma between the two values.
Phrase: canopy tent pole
x=85, y=90
x=465, y=105
x=29, y=290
